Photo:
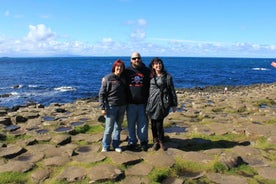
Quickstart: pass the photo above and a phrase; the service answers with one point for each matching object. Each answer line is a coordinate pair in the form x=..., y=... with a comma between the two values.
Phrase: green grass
x=13, y=178
x=266, y=101
x=271, y=121
x=243, y=170
x=10, y=139
x=219, y=167
x=89, y=129
x=157, y=175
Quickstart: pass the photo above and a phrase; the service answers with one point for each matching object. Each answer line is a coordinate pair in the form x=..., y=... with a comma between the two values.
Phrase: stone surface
x=210, y=122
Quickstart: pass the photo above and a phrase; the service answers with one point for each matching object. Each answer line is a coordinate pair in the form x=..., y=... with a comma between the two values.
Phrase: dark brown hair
x=153, y=61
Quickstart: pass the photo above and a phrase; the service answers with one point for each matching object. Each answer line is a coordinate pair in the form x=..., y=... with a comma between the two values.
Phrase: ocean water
x=66, y=79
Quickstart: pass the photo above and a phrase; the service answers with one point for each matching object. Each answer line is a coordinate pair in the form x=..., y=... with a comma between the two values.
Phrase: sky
x=186, y=28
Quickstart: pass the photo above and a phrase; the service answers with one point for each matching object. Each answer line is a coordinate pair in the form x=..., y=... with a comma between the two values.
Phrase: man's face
x=136, y=60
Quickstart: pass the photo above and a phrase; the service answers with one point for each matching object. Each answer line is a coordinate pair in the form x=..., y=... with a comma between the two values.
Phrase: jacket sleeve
x=174, y=101
x=103, y=94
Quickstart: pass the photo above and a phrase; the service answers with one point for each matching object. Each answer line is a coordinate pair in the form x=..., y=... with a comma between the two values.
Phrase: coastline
x=211, y=127
x=209, y=89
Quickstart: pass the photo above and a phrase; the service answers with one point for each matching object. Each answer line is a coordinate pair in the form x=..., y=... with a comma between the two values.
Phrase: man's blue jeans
x=137, y=118
x=113, y=126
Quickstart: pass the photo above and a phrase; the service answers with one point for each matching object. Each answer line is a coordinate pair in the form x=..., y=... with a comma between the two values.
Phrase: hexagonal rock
x=136, y=180
x=89, y=158
x=87, y=137
x=226, y=179
x=230, y=160
x=123, y=158
x=32, y=157
x=48, y=150
x=140, y=169
x=17, y=166
x=267, y=172
x=11, y=151
x=104, y=172
x=73, y=174
x=88, y=149
x=198, y=157
x=40, y=175
x=56, y=161
x=160, y=159
x=61, y=139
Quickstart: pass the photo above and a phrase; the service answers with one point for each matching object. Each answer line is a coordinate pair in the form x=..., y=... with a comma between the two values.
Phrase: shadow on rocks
x=197, y=144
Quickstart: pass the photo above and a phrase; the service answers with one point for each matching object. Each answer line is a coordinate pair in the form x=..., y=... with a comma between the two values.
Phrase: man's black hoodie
x=138, y=82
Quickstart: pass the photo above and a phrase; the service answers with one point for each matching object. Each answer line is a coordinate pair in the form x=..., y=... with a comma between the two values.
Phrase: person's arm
x=173, y=93
x=273, y=64
x=103, y=96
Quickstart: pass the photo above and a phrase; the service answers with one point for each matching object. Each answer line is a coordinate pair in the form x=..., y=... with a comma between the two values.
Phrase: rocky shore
x=218, y=135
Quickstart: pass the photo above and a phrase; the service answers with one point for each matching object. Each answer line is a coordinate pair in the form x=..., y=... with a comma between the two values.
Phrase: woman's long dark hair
x=153, y=61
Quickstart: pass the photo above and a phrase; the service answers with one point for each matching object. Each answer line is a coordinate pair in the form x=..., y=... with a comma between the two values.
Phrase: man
x=138, y=81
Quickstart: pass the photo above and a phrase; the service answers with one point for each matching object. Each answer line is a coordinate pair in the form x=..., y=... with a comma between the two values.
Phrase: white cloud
x=138, y=34
x=42, y=41
x=40, y=33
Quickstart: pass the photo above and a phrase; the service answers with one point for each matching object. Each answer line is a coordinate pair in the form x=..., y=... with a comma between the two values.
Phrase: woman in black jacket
x=113, y=101
x=162, y=97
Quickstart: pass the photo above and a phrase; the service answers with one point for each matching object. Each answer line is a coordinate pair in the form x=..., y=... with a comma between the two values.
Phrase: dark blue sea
x=66, y=79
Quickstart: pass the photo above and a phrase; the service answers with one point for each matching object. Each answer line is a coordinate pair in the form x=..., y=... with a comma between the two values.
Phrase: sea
x=47, y=80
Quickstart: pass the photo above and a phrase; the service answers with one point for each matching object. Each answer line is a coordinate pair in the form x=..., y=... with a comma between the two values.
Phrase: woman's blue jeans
x=137, y=118
x=113, y=126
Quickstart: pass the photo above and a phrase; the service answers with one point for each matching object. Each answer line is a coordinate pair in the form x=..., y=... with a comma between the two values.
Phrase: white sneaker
x=119, y=150
x=104, y=150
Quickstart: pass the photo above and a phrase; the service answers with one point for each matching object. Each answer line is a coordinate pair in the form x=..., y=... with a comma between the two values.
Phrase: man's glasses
x=134, y=58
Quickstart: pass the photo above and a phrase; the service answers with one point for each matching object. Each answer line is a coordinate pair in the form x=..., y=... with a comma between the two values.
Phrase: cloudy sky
x=200, y=28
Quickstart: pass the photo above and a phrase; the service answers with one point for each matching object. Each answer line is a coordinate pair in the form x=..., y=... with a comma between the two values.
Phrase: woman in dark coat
x=162, y=97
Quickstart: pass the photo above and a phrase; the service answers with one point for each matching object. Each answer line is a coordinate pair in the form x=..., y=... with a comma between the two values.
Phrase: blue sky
x=197, y=28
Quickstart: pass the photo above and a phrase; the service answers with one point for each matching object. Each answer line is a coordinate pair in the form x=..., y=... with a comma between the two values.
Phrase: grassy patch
x=187, y=166
x=89, y=129
x=271, y=121
x=263, y=144
x=259, y=180
x=82, y=129
x=158, y=175
x=10, y=139
x=244, y=170
x=266, y=101
x=219, y=167
x=13, y=178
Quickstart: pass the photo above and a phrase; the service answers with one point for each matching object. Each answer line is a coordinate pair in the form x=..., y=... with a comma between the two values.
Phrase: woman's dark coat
x=155, y=105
